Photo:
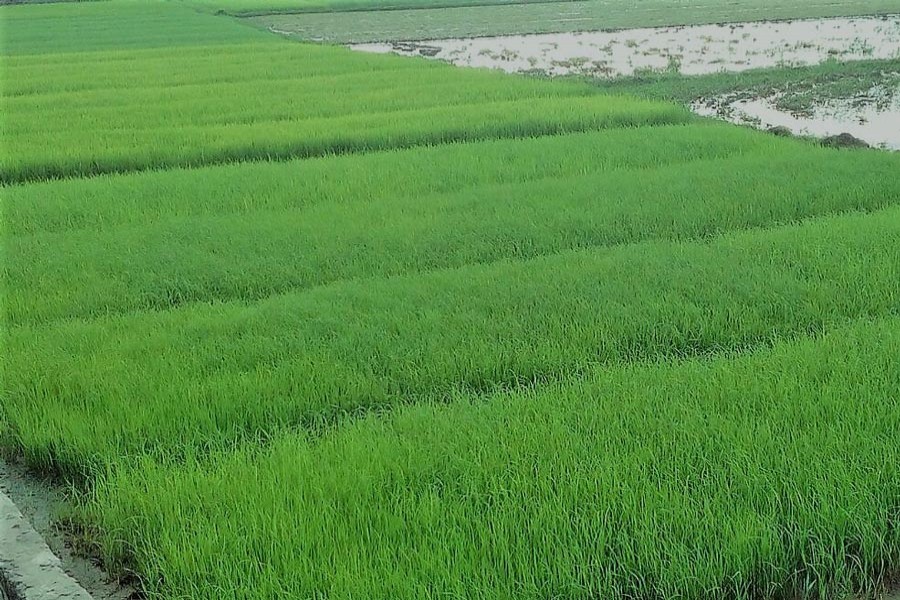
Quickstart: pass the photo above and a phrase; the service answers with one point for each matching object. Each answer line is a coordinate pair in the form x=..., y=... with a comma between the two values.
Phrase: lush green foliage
x=124, y=109
x=325, y=100
x=521, y=365
x=768, y=475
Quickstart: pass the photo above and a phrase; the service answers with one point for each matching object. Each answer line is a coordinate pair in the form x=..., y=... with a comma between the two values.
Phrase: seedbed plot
x=594, y=347
x=211, y=374
x=247, y=257
x=737, y=477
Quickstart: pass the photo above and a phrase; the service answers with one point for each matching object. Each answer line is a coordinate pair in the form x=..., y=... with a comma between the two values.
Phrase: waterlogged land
x=696, y=50
x=296, y=321
x=871, y=113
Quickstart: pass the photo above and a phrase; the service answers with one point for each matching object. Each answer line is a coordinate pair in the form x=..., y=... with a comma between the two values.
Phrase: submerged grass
x=770, y=475
x=795, y=89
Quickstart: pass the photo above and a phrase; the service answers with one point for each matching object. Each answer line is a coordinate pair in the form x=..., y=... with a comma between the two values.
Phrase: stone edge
x=28, y=568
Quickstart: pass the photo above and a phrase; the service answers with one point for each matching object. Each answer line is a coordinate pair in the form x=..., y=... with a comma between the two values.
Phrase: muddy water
x=693, y=50
x=698, y=50
x=876, y=124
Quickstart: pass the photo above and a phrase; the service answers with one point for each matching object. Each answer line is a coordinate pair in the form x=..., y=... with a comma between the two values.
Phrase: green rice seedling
x=81, y=152
x=216, y=257
x=84, y=394
x=126, y=109
x=247, y=189
x=29, y=29
x=767, y=475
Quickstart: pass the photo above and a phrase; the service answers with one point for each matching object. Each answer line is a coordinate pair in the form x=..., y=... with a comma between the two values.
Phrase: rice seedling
x=771, y=474
x=300, y=322
x=200, y=376
x=125, y=109
x=222, y=257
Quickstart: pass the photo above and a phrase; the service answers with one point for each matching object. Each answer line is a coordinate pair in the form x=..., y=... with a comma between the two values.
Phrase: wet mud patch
x=872, y=117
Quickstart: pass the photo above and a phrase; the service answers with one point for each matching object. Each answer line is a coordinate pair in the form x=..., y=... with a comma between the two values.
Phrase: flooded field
x=694, y=50
x=874, y=119
x=707, y=49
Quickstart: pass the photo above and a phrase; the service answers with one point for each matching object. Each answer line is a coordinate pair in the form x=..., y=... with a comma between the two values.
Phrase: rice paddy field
x=291, y=321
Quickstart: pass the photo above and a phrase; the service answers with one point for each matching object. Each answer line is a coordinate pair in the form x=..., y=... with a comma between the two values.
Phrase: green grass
x=111, y=25
x=125, y=201
x=592, y=348
x=504, y=19
x=128, y=110
x=265, y=7
x=798, y=89
x=767, y=475
x=226, y=371
x=251, y=255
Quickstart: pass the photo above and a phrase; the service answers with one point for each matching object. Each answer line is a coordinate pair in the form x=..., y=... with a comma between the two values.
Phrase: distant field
x=557, y=17
x=298, y=322
x=259, y=7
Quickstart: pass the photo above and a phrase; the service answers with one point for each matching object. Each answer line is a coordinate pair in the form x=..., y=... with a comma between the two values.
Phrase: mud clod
x=844, y=140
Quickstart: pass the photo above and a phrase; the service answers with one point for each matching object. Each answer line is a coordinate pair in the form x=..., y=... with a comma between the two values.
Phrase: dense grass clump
x=771, y=475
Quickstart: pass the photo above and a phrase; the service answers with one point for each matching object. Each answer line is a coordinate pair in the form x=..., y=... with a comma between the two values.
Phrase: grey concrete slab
x=28, y=568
